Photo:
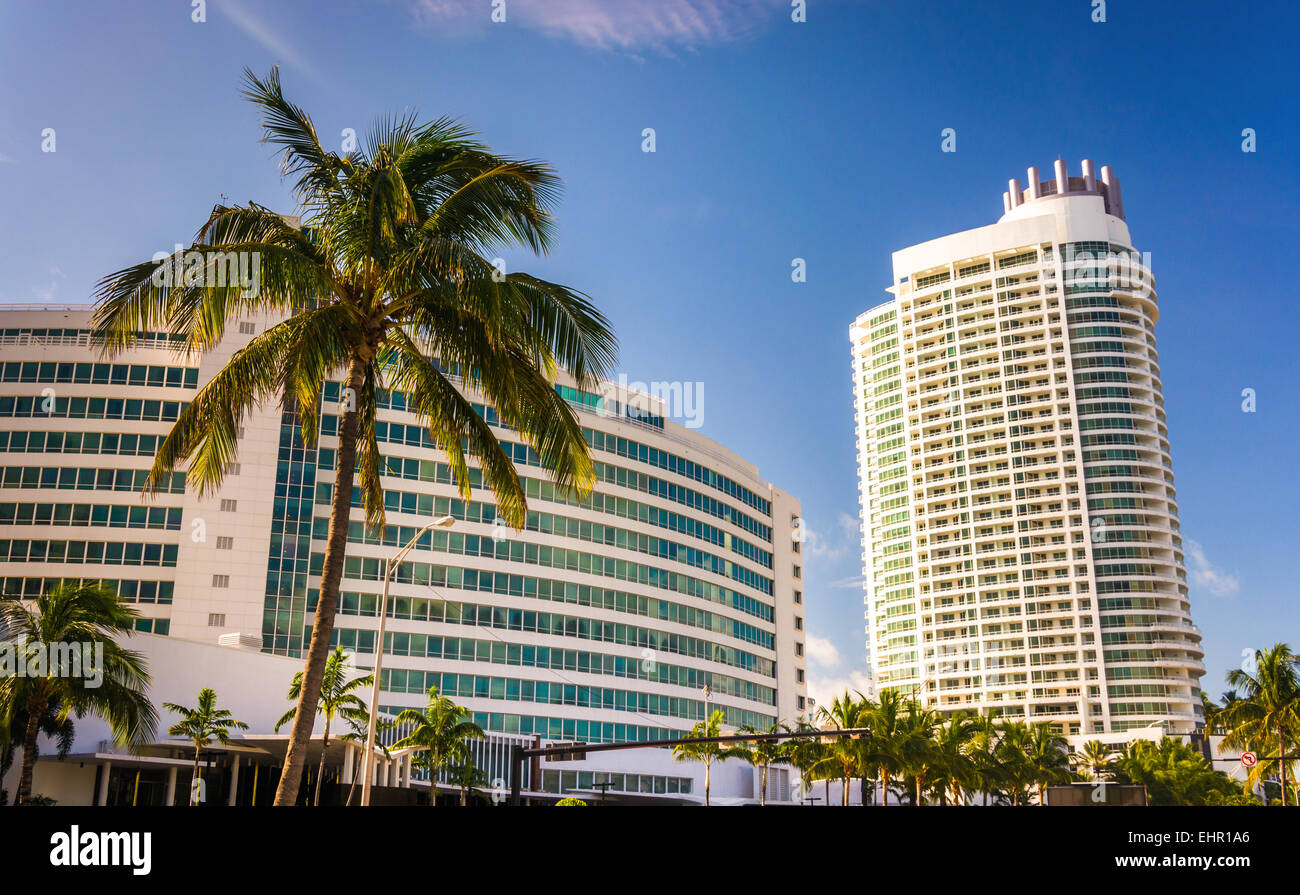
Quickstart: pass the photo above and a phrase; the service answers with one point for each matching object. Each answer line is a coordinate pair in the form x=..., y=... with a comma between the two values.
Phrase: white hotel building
x=1022, y=552
x=603, y=621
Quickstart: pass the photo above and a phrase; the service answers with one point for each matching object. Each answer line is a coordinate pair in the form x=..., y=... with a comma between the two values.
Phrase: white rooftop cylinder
x=1013, y=187
x=1034, y=185
x=1089, y=176
x=1062, y=178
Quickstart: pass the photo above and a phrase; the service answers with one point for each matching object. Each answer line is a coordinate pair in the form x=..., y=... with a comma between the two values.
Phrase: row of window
x=120, y=443
x=130, y=591
x=99, y=515
x=146, y=375
x=72, y=478
x=90, y=408
x=109, y=553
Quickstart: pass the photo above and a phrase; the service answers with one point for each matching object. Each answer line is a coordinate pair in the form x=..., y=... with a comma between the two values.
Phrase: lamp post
x=368, y=762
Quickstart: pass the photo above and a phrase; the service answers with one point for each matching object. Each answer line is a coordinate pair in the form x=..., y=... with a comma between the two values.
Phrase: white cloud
x=845, y=537
x=822, y=651
x=1208, y=576
x=616, y=24
x=825, y=690
x=6, y=160
x=855, y=583
x=267, y=36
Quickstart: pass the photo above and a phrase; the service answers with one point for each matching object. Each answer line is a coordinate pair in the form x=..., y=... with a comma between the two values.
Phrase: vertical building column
x=234, y=782
x=170, y=799
x=101, y=797
x=349, y=761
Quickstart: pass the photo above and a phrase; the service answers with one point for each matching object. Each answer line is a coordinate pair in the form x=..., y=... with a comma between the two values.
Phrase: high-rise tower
x=1022, y=552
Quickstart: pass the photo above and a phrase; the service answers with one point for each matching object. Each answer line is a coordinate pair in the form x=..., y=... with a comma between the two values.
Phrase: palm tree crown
x=201, y=726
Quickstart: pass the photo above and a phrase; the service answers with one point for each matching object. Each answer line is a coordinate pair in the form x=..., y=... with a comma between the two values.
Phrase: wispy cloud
x=857, y=582
x=6, y=160
x=1207, y=575
x=844, y=537
x=621, y=25
x=822, y=651
x=824, y=690
x=267, y=36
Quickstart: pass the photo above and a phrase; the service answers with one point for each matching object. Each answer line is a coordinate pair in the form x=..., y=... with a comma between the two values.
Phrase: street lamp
x=368, y=761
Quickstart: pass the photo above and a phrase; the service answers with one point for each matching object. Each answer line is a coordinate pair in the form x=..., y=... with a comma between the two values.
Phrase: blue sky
x=774, y=140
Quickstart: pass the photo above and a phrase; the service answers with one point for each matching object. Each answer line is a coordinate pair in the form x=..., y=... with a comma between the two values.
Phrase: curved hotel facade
x=603, y=621
x=1022, y=548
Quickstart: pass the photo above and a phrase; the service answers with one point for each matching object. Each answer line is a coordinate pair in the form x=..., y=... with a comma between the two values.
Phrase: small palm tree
x=1268, y=713
x=468, y=777
x=806, y=755
x=842, y=757
x=707, y=753
x=1016, y=771
x=763, y=752
x=84, y=617
x=62, y=732
x=440, y=732
x=358, y=731
x=984, y=739
x=1048, y=756
x=389, y=285
x=1093, y=760
x=201, y=726
x=338, y=698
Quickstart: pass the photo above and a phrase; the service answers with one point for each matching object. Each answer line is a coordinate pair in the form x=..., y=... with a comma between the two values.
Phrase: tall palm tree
x=1048, y=756
x=806, y=754
x=1268, y=712
x=89, y=617
x=387, y=285
x=1093, y=759
x=918, y=752
x=842, y=757
x=441, y=730
x=762, y=753
x=707, y=753
x=954, y=772
x=882, y=751
x=338, y=698
x=201, y=726
x=1016, y=771
x=984, y=739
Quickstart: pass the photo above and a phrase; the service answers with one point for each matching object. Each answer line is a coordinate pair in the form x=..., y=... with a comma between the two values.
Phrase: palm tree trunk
x=918, y=790
x=195, y=779
x=844, y=796
x=762, y=790
x=34, y=712
x=1281, y=761
x=320, y=771
x=884, y=788
x=331, y=575
x=826, y=788
x=706, y=783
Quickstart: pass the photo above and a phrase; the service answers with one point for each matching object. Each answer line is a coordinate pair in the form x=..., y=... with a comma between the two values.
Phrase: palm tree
x=440, y=732
x=84, y=617
x=201, y=726
x=338, y=698
x=1092, y=760
x=358, y=728
x=707, y=753
x=882, y=751
x=762, y=753
x=388, y=285
x=805, y=754
x=1016, y=771
x=1215, y=714
x=62, y=732
x=1268, y=711
x=917, y=748
x=1048, y=756
x=467, y=776
x=954, y=771
x=842, y=756
x=984, y=739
